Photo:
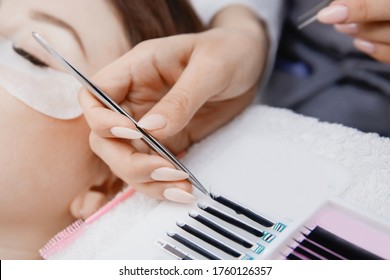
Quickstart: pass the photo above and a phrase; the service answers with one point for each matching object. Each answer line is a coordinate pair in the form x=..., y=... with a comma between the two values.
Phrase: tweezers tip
x=36, y=36
x=206, y=192
x=43, y=43
x=200, y=187
x=307, y=22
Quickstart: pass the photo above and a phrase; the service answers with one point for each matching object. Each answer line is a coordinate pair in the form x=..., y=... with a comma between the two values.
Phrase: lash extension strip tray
x=263, y=204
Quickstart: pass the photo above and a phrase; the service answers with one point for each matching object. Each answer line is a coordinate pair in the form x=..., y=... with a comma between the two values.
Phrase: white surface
x=282, y=181
x=292, y=159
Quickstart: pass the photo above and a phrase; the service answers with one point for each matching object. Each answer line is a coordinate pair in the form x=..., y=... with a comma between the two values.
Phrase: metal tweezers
x=311, y=16
x=107, y=101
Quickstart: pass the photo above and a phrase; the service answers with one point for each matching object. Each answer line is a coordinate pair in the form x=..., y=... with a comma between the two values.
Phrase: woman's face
x=46, y=162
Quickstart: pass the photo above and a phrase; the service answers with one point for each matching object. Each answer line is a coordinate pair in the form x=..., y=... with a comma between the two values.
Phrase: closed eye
x=34, y=60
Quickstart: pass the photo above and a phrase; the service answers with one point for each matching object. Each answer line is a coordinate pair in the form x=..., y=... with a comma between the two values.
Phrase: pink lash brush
x=65, y=237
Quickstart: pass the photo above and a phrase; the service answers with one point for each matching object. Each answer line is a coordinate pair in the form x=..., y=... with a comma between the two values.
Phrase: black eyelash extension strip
x=231, y=220
x=320, y=250
x=174, y=251
x=222, y=231
x=305, y=253
x=210, y=240
x=193, y=246
x=340, y=246
x=293, y=257
x=242, y=211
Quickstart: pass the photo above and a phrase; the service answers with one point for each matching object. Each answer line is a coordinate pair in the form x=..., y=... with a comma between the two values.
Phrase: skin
x=369, y=22
x=180, y=79
x=48, y=168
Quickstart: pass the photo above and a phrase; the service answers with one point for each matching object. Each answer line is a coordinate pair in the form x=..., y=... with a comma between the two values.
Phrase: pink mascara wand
x=66, y=236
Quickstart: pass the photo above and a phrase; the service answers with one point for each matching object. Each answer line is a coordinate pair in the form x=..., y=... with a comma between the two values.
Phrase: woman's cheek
x=48, y=152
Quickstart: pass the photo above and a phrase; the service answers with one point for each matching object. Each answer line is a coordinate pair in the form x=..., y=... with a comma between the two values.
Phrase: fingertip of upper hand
x=358, y=11
x=333, y=14
x=109, y=124
x=125, y=133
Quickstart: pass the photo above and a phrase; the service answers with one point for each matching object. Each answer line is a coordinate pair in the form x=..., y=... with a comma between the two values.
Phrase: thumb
x=354, y=11
x=366, y=10
x=176, y=109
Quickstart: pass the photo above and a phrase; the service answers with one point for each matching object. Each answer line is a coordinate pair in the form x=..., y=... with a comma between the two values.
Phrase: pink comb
x=66, y=236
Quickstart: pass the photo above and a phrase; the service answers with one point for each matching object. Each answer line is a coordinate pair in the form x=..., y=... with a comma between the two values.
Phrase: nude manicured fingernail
x=168, y=174
x=351, y=28
x=364, y=46
x=126, y=133
x=178, y=195
x=153, y=122
x=333, y=14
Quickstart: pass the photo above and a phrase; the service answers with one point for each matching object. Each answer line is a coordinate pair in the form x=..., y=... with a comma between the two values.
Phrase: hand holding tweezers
x=108, y=102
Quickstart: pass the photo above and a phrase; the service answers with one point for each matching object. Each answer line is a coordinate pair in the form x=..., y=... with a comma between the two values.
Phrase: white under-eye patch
x=48, y=91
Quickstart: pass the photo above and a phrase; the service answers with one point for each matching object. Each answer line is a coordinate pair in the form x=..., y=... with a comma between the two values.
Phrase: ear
x=89, y=201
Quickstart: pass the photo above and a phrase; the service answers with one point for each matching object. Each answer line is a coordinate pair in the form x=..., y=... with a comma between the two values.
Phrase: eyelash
x=34, y=60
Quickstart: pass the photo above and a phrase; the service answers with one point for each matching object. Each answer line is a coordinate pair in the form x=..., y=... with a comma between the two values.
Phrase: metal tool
x=311, y=16
x=107, y=101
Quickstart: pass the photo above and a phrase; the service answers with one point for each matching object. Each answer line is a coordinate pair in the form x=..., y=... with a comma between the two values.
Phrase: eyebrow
x=40, y=16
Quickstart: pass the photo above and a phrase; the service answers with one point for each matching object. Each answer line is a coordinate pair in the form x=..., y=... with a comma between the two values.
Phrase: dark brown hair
x=148, y=19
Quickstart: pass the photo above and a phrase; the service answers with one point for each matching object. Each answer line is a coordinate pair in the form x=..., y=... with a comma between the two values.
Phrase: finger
x=115, y=79
x=355, y=11
x=141, y=65
x=141, y=147
x=174, y=191
x=130, y=165
x=376, y=31
x=378, y=51
x=148, y=66
x=136, y=169
x=174, y=111
x=216, y=114
x=104, y=122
